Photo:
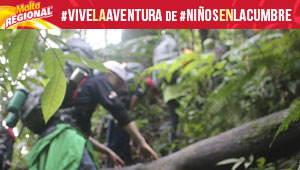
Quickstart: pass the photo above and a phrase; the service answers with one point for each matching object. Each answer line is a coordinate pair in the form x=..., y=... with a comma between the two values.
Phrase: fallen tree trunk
x=251, y=138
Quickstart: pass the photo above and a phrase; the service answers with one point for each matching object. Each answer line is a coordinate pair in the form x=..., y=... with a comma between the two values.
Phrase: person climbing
x=65, y=141
x=117, y=139
x=146, y=87
x=151, y=92
x=167, y=51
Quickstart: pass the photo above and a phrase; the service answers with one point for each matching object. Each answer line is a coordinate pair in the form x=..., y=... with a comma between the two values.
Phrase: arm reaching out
x=107, y=97
x=133, y=102
x=117, y=161
x=137, y=136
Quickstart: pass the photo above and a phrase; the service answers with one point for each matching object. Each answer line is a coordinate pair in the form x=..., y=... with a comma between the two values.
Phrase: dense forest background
x=233, y=77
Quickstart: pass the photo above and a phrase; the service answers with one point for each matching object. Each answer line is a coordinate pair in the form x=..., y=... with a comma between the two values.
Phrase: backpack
x=31, y=112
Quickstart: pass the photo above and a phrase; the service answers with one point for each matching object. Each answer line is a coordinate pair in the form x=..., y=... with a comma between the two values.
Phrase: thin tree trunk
x=192, y=39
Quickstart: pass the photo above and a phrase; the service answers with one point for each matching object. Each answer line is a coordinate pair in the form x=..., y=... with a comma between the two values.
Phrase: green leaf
x=220, y=65
x=187, y=57
x=93, y=64
x=247, y=164
x=228, y=161
x=26, y=85
x=35, y=81
x=232, y=85
x=2, y=67
x=237, y=164
x=85, y=62
x=173, y=67
x=208, y=58
x=160, y=66
x=53, y=95
x=251, y=158
x=53, y=61
x=57, y=40
x=20, y=50
x=294, y=114
x=190, y=67
x=206, y=70
x=261, y=162
x=74, y=58
x=3, y=33
x=180, y=63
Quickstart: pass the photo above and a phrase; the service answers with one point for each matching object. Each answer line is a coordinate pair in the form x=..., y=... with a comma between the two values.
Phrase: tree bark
x=251, y=138
x=192, y=40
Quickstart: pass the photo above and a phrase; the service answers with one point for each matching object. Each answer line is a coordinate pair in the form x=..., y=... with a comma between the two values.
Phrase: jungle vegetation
x=256, y=75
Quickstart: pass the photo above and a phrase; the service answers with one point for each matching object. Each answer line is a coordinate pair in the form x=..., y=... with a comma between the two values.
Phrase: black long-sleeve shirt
x=98, y=90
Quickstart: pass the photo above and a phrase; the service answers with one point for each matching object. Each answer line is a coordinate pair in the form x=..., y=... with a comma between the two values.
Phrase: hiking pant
x=118, y=141
x=172, y=106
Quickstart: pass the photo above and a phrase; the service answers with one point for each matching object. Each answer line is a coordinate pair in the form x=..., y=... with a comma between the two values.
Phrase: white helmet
x=118, y=69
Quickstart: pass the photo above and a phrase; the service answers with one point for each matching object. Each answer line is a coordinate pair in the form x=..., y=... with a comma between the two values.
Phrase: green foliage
x=20, y=47
x=294, y=114
x=92, y=64
x=74, y=58
x=85, y=61
x=3, y=34
x=53, y=61
x=248, y=164
x=55, y=89
x=261, y=163
x=259, y=75
x=54, y=94
x=57, y=39
x=20, y=50
x=237, y=162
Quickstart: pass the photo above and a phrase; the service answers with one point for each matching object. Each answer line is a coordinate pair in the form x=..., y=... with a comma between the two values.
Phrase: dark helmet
x=80, y=47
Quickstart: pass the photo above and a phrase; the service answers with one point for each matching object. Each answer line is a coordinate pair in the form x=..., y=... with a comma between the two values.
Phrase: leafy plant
x=20, y=50
x=294, y=114
x=53, y=95
x=24, y=54
x=257, y=76
x=237, y=162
